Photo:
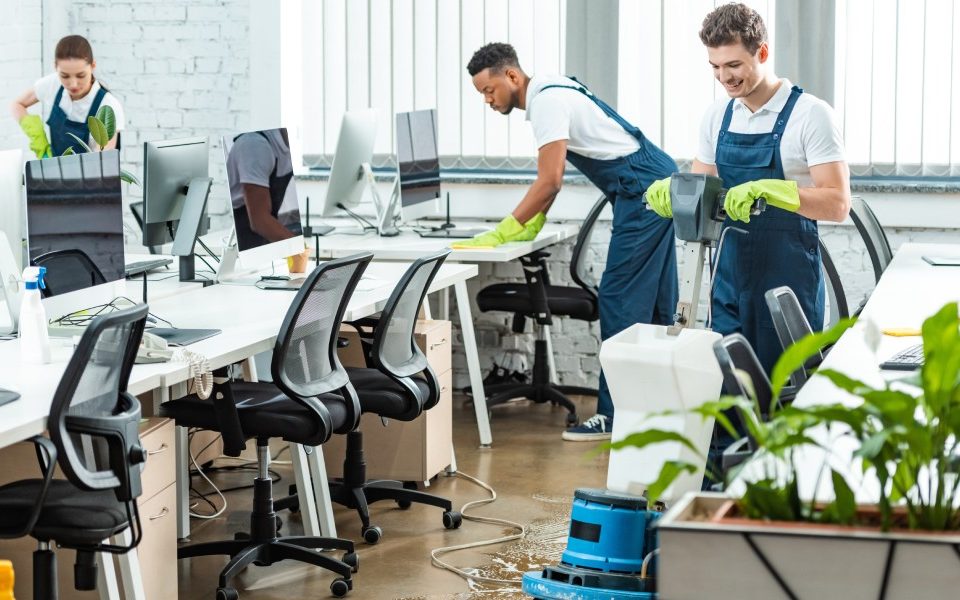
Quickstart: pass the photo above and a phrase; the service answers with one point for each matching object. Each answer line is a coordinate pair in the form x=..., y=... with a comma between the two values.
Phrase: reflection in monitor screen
x=74, y=203
x=262, y=191
x=418, y=158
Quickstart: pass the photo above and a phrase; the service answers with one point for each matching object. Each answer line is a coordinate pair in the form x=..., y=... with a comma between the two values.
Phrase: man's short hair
x=732, y=23
x=496, y=57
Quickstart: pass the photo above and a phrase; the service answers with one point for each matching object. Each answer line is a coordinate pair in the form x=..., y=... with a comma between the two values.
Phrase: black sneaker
x=596, y=428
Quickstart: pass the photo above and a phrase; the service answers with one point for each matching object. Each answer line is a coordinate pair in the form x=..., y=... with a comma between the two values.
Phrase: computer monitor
x=11, y=200
x=266, y=211
x=75, y=203
x=350, y=171
x=168, y=168
x=418, y=164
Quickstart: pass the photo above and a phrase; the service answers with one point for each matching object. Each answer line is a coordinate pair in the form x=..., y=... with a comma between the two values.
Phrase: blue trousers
x=639, y=283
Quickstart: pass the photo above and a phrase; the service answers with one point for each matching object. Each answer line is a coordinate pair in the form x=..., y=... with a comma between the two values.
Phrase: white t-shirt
x=563, y=114
x=252, y=159
x=811, y=137
x=46, y=89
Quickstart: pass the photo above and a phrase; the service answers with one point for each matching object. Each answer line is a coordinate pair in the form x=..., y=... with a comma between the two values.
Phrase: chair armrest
x=47, y=459
x=735, y=454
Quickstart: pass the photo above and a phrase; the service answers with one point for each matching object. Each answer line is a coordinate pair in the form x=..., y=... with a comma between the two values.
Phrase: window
x=400, y=55
x=898, y=86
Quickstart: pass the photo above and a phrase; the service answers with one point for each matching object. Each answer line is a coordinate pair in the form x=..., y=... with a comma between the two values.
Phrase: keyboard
x=909, y=359
x=452, y=233
x=142, y=266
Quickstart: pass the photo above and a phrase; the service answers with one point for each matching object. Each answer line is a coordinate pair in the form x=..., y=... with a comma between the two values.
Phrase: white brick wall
x=20, y=62
x=181, y=69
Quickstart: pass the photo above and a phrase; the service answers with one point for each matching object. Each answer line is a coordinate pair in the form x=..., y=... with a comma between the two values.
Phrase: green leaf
x=671, y=470
x=796, y=355
x=845, y=383
x=871, y=447
x=98, y=131
x=69, y=151
x=649, y=437
x=845, y=502
x=766, y=500
x=82, y=143
x=129, y=177
x=904, y=479
x=106, y=116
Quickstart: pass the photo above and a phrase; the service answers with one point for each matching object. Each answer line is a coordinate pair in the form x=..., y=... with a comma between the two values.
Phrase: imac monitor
x=418, y=164
x=168, y=168
x=358, y=132
x=74, y=203
x=266, y=211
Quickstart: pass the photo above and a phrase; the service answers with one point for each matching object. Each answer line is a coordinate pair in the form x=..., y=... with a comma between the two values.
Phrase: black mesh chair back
x=305, y=363
x=68, y=271
x=93, y=420
x=874, y=237
x=741, y=370
x=394, y=350
x=835, y=294
x=791, y=326
x=584, y=272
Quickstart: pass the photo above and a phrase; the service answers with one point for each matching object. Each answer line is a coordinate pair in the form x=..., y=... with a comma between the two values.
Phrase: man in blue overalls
x=774, y=141
x=639, y=284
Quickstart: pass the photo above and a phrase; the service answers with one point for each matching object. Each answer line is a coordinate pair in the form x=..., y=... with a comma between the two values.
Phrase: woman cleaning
x=67, y=97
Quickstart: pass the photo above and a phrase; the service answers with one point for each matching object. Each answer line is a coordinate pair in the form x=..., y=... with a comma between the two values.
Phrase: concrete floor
x=532, y=470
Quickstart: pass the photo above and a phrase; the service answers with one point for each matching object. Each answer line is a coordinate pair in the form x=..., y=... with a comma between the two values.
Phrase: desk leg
x=301, y=475
x=443, y=304
x=182, y=452
x=473, y=363
x=321, y=492
x=452, y=469
x=107, y=579
x=551, y=363
x=129, y=569
x=249, y=368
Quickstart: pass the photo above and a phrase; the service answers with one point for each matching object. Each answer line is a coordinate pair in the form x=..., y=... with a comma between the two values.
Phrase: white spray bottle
x=34, y=339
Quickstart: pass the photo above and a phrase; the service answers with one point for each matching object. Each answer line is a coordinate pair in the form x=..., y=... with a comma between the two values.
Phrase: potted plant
x=102, y=127
x=781, y=537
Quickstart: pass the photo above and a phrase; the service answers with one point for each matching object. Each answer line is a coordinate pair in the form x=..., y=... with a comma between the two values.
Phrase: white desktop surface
x=909, y=291
x=408, y=245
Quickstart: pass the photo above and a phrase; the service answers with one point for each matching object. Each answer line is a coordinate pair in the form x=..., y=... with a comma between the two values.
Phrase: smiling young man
x=639, y=284
x=770, y=140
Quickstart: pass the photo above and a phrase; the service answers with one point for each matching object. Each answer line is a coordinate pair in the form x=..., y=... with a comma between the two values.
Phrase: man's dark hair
x=496, y=57
x=732, y=23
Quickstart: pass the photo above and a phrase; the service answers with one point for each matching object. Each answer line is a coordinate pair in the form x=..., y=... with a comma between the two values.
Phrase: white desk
x=408, y=245
x=909, y=291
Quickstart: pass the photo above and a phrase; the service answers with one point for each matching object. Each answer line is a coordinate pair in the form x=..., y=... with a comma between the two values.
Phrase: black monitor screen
x=260, y=175
x=418, y=158
x=74, y=203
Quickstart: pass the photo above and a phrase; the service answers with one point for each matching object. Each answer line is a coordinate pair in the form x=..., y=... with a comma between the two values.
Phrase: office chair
x=94, y=438
x=537, y=299
x=791, y=326
x=391, y=388
x=838, y=299
x=314, y=400
x=67, y=271
x=874, y=237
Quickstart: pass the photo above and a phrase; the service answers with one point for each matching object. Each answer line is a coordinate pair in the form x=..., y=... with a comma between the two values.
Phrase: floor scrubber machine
x=651, y=369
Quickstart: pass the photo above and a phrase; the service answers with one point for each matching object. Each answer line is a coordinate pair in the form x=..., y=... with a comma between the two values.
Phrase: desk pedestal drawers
x=408, y=451
x=158, y=548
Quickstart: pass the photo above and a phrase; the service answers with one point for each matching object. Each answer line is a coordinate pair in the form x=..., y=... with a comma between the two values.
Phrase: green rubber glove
x=531, y=228
x=507, y=230
x=32, y=125
x=777, y=192
x=658, y=198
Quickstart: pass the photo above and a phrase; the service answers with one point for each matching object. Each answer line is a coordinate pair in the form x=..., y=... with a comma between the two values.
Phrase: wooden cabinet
x=408, y=451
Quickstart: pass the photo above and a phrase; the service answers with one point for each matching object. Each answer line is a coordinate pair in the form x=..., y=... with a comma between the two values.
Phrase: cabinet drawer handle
x=161, y=514
x=440, y=343
x=163, y=448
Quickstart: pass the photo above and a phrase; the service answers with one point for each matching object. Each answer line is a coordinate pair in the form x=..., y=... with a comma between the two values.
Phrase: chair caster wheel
x=404, y=504
x=279, y=523
x=292, y=491
x=226, y=593
x=352, y=559
x=572, y=420
x=452, y=519
x=371, y=535
x=340, y=586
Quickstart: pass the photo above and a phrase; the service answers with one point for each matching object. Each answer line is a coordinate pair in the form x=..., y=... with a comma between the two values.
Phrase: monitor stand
x=449, y=230
x=385, y=212
x=189, y=227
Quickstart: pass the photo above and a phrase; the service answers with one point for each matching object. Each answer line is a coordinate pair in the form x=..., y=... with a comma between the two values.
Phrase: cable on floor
x=521, y=533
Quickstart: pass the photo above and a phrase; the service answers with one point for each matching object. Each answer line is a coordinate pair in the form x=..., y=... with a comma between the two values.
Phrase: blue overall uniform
x=639, y=283
x=60, y=125
x=779, y=248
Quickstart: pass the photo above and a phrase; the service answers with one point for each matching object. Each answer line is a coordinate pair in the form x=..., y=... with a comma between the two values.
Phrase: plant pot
x=703, y=555
x=298, y=262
